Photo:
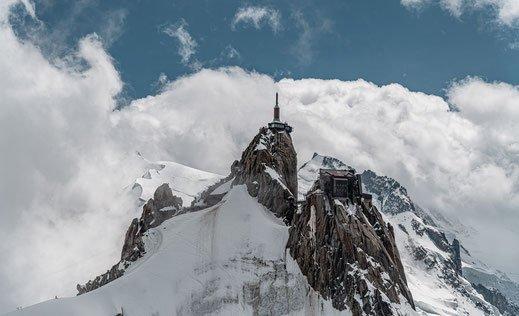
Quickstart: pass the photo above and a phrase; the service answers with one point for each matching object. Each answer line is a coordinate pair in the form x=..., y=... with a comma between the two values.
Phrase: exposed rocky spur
x=347, y=252
x=161, y=207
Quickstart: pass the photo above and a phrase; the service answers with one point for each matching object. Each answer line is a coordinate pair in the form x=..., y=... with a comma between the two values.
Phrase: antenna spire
x=276, y=125
x=276, y=109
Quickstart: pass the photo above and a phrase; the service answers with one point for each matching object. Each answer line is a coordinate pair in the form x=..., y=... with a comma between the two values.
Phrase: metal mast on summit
x=276, y=125
x=276, y=110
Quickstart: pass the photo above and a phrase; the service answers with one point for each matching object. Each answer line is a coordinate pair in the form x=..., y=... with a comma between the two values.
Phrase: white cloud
x=186, y=43
x=231, y=53
x=304, y=47
x=67, y=156
x=113, y=26
x=514, y=45
x=506, y=12
x=258, y=16
x=56, y=203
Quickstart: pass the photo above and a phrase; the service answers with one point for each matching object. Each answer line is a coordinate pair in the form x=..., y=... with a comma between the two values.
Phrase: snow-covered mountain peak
x=244, y=245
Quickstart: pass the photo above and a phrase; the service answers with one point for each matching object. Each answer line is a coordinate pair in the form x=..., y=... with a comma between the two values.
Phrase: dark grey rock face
x=161, y=207
x=456, y=256
x=348, y=254
x=133, y=246
x=437, y=237
x=495, y=280
x=268, y=167
x=392, y=196
x=494, y=297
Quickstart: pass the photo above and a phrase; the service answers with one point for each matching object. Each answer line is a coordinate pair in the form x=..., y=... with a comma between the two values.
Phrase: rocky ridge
x=391, y=196
x=494, y=297
x=161, y=207
x=268, y=167
x=428, y=257
x=349, y=255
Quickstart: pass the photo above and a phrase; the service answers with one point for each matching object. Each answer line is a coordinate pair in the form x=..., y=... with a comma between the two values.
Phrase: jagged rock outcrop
x=450, y=265
x=348, y=254
x=456, y=256
x=492, y=279
x=494, y=297
x=268, y=167
x=391, y=196
x=214, y=193
x=115, y=272
x=133, y=246
x=437, y=237
x=161, y=207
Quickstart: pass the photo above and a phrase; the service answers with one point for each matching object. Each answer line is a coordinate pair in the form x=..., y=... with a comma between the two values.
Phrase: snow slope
x=184, y=181
x=430, y=280
x=228, y=259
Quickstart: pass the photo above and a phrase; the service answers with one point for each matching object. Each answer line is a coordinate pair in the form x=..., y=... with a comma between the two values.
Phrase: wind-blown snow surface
x=184, y=181
x=227, y=259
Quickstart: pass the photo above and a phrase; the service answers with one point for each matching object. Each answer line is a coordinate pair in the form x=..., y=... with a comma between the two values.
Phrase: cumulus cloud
x=55, y=202
x=258, y=16
x=68, y=156
x=506, y=12
x=186, y=43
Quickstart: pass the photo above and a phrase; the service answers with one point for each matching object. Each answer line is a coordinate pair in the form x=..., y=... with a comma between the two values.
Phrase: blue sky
x=423, y=47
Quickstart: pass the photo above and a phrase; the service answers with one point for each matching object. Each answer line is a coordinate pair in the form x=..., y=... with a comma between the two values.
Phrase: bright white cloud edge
x=257, y=16
x=506, y=12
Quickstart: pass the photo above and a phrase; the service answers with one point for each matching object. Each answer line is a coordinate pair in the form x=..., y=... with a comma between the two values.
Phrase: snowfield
x=228, y=259
x=184, y=181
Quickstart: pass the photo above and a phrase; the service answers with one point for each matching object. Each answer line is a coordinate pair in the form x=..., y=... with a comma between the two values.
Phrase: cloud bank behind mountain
x=68, y=155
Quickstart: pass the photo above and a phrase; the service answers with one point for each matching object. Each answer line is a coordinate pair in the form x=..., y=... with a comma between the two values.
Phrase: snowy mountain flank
x=270, y=239
x=443, y=277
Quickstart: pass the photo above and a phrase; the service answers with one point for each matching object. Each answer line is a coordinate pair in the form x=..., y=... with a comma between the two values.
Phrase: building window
x=340, y=187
